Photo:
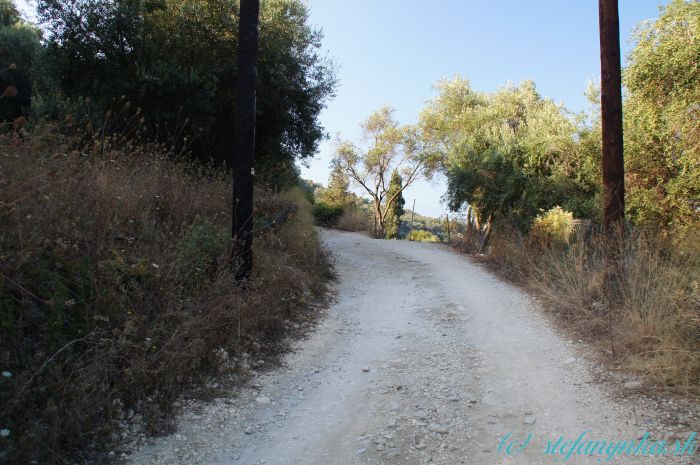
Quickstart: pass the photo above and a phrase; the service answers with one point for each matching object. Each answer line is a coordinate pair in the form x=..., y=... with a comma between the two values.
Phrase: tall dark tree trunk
x=611, y=109
x=244, y=145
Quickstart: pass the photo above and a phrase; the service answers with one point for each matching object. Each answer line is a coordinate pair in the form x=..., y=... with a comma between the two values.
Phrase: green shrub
x=198, y=251
x=326, y=215
x=552, y=228
x=422, y=236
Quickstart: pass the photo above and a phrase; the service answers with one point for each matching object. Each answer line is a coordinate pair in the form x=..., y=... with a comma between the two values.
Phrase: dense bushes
x=175, y=60
x=515, y=153
x=19, y=47
x=422, y=236
x=552, y=228
x=117, y=291
x=327, y=215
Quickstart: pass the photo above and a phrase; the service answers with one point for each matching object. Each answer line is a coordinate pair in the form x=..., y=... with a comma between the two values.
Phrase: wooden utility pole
x=611, y=111
x=413, y=210
x=447, y=216
x=244, y=132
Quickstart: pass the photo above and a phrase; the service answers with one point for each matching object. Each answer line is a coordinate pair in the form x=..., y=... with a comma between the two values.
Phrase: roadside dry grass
x=648, y=298
x=354, y=219
x=116, y=290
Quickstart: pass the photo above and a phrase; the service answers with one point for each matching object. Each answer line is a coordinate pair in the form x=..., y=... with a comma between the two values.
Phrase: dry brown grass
x=648, y=296
x=116, y=291
x=354, y=219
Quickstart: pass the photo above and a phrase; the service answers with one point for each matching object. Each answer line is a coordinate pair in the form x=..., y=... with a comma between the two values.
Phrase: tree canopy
x=174, y=59
x=394, y=148
x=510, y=152
x=662, y=116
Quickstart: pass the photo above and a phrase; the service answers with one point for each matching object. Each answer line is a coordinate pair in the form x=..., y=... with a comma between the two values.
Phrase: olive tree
x=393, y=148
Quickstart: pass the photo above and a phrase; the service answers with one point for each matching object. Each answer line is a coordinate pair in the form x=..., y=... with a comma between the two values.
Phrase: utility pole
x=447, y=216
x=244, y=145
x=413, y=210
x=611, y=111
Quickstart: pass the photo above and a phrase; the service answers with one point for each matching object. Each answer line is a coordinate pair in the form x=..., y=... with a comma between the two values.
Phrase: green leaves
x=395, y=209
x=501, y=152
x=175, y=59
x=394, y=149
x=662, y=117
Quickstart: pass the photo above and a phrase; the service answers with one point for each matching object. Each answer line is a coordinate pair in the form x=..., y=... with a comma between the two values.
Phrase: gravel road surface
x=423, y=357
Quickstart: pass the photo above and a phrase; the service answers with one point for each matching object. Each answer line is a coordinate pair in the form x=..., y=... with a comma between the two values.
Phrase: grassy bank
x=648, y=297
x=116, y=290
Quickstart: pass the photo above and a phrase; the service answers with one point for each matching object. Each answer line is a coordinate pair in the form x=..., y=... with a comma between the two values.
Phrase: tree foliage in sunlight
x=394, y=148
x=662, y=116
x=511, y=152
x=394, y=213
x=337, y=194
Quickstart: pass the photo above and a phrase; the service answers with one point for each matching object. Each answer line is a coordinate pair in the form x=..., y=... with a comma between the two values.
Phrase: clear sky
x=393, y=51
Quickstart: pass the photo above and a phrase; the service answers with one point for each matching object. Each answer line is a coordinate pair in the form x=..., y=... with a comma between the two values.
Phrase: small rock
x=438, y=428
x=633, y=385
x=249, y=430
x=263, y=400
x=393, y=452
x=365, y=369
x=529, y=420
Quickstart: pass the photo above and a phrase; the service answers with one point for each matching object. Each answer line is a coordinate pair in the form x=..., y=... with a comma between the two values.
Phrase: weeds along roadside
x=650, y=296
x=116, y=292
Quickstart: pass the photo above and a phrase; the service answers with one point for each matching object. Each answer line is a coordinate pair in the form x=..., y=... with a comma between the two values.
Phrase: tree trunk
x=487, y=234
x=611, y=111
x=468, y=230
x=379, y=230
x=244, y=145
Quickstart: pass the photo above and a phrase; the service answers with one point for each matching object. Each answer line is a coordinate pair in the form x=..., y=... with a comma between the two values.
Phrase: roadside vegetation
x=117, y=283
x=525, y=184
x=118, y=294
x=527, y=174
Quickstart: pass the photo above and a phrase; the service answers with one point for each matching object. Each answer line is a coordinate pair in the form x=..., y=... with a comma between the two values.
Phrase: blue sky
x=393, y=51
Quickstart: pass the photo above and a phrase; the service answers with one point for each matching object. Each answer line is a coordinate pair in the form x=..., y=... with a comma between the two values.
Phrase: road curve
x=424, y=357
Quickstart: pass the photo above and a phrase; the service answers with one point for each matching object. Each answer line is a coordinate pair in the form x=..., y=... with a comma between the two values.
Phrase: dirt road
x=423, y=358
